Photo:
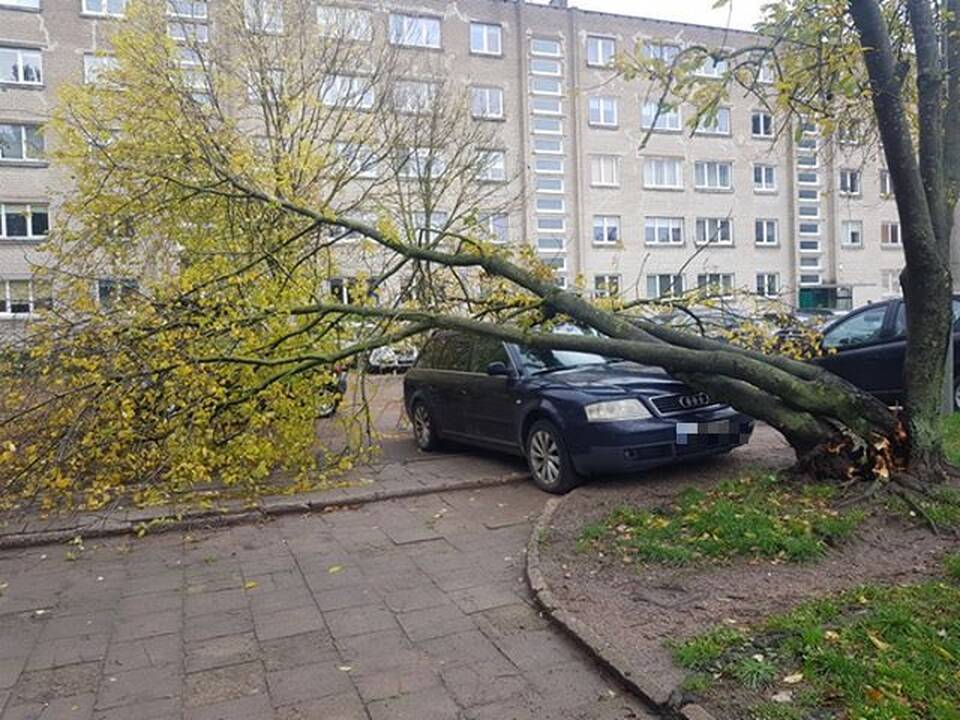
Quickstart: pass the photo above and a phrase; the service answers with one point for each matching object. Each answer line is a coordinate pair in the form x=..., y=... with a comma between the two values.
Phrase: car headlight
x=614, y=410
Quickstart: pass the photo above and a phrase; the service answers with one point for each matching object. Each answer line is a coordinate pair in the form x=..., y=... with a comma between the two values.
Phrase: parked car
x=868, y=347
x=571, y=414
x=392, y=358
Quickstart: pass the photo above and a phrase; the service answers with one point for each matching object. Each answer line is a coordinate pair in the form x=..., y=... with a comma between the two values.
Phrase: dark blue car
x=571, y=414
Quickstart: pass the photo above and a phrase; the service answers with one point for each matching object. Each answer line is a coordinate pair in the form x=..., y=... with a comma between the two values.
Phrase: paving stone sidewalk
x=412, y=608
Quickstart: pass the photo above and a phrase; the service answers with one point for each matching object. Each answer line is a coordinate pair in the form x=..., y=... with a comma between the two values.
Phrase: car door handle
x=462, y=391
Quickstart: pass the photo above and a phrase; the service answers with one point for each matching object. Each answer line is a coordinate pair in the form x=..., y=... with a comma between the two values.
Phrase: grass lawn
x=951, y=438
x=756, y=516
x=874, y=653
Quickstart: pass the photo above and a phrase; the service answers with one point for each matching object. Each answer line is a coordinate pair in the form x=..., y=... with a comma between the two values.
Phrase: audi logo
x=688, y=402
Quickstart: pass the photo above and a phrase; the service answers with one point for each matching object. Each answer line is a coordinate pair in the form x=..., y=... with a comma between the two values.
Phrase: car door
x=452, y=383
x=863, y=349
x=493, y=407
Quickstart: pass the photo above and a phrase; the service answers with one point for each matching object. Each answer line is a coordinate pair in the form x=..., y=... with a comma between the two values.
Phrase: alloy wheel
x=545, y=457
x=421, y=425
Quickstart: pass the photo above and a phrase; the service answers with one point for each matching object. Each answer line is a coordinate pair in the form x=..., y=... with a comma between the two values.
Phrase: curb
x=168, y=520
x=653, y=692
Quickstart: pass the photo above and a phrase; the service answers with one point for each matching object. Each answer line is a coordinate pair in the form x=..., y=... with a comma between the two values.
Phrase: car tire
x=548, y=459
x=956, y=395
x=424, y=427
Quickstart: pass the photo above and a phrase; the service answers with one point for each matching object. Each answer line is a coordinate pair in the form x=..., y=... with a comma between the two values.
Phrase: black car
x=868, y=347
x=570, y=413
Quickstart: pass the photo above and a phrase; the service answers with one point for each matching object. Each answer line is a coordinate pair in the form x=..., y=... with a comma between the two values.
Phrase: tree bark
x=926, y=286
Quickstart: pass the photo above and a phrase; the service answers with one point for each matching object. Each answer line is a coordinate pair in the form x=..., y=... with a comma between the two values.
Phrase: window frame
x=766, y=118
x=599, y=180
x=31, y=235
x=487, y=91
x=678, y=165
x=705, y=222
x=600, y=40
x=763, y=225
x=401, y=37
x=485, y=27
x=20, y=52
x=605, y=223
x=21, y=130
x=763, y=188
x=105, y=13
x=656, y=223
x=603, y=104
x=712, y=171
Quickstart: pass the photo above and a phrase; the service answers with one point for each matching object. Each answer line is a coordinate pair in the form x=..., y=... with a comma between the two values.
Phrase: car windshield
x=539, y=360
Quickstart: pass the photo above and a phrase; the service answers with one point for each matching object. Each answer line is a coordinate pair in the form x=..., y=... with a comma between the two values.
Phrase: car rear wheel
x=956, y=395
x=424, y=428
x=550, y=465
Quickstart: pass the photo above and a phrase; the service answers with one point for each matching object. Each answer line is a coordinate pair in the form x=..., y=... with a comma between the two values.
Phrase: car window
x=485, y=351
x=863, y=328
x=900, y=325
x=535, y=360
x=455, y=354
x=433, y=351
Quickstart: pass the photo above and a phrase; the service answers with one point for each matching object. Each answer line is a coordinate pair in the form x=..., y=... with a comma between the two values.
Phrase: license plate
x=717, y=427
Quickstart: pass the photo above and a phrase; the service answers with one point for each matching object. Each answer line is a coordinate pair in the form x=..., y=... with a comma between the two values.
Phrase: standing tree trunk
x=919, y=189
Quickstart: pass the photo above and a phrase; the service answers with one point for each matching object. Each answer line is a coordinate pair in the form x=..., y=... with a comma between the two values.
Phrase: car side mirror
x=498, y=369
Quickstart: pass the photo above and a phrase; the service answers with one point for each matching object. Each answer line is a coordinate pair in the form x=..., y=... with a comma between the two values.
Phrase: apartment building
x=613, y=194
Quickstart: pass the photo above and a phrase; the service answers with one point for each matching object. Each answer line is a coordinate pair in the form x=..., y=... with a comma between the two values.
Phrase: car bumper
x=611, y=448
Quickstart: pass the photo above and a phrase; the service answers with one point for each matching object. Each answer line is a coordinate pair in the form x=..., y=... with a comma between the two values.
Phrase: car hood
x=617, y=378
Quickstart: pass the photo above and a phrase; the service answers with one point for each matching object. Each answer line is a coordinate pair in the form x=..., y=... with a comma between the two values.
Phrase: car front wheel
x=550, y=465
x=424, y=428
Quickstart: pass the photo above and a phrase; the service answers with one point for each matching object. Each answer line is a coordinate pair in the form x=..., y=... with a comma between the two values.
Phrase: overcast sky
x=742, y=14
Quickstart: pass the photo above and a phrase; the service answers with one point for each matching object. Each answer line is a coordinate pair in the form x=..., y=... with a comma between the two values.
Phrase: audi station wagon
x=570, y=414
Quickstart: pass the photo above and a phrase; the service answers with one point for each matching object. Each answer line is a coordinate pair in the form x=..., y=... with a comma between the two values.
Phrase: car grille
x=675, y=404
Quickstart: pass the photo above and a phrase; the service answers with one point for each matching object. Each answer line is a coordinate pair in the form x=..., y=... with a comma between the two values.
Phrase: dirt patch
x=638, y=610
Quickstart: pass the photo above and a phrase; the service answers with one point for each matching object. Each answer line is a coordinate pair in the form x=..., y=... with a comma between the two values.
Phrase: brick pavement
x=412, y=609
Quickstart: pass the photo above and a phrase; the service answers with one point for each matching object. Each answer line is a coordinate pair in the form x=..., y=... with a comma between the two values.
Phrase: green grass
x=951, y=438
x=756, y=516
x=875, y=653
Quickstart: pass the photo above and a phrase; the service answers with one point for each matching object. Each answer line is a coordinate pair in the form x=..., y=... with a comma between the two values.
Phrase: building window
x=25, y=4
x=761, y=124
x=548, y=184
x=19, y=66
x=414, y=31
x=603, y=111
x=605, y=170
x=550, y=146
x=809, y=262
x=497, y=227
x=187, y=9
x=545, y=86
x=543, y=46
x=663, y=231
x=766, y=232
x=764, y=178
x=768, y=285
x=808, y=178
x=808, y=228
x=21, y=143
x=712, y=67
x=664, y=285
x=886, y=184
x=550, y=165
x=808, y=211
x=713, y=175
x=547, y=106
x=492, y=165
x=545, y=66
x=485, y=39
x=606, y=229
x=662, y=173
x=421, y=162
x=715, y=123
x=96, y=66
x=22, y=297
x=606, y=286
x=810, y=279
x=487, y=103
x=550, y=244
x=714, y=231
x=360, y=161
x=345, y=23
x=890, y=234
x=266, y=86
x=851, y=233
x=890, y=282
x=551, y=205
x=414, y=96
x=188, y=32
x=110, y=8
x=715, y=283
x=263, y=16
x=600, y=51
x=663, y=52
x=349, y=91
x=111, y=291
x=23, y=221
x=551, y=224
x=849, y=182
x=659, y=117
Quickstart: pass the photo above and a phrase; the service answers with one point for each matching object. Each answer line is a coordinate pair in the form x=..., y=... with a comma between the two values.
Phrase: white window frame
x=764, y=187
x=492, y=165
x=711, y=68
x=548, y=67
x=104, y=11
x=654, y=173
x=767, y=126
x=548, y=145
x=662, y=51
x=497, y=227
x=601, y=50
x=551, y=204
x=549, y=184
x=546, y=105
x=887, y=232
x=720, y=123
x=607, y=285
x=21, y=130
x=551, y=224
x=486, y=47
x=655, y=224
x=414, y=97
x=548, y=165
x=605, y=223
x=347, y=91
x=538, y=47
x=668, y=120
x=708, y=175
x=886, y=183
x=847, y=230
x=7, y=297
x=605, y=171
x=544, y=85
x=415, y=31
x=674, y=282
x=763, y=284
x=20, y=53
x=488, y=99
x=4, y=230
x=710, y=227
x=725, y=282
x=762, y=232
x=347, y=23
x=188, y=9
x=263, y=16
x=603, y=111
x=24, y=4
x=851, y=182
x=415, y=159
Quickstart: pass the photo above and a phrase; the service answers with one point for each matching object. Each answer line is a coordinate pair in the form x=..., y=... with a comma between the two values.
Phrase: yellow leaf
x=334, y=569
x=793, y=679
x=250, y=584
x=877, y=642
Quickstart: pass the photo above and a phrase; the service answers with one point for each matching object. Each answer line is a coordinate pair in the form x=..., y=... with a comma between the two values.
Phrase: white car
x=392, y=358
